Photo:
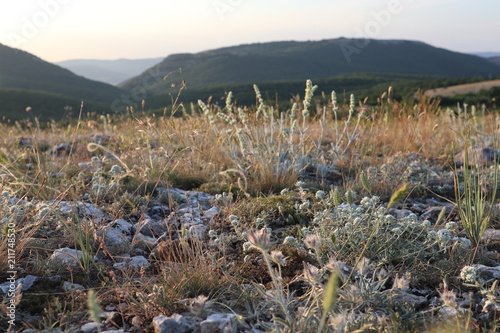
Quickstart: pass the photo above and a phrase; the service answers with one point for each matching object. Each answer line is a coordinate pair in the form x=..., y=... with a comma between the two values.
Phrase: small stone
x=491, y=236
x=122, y=225
x=219, y=323
x=57, y=174
x=27, y=282
x=114, y=236
x=153, y=228
x=159, y=212
x=176, y=323
x=198, y=231
x=68, y=286
x=486, y=273
x=100, y=139
x=89, y=328
x=61, y=149
x=134, y=263
x=143, y=241
x=70, y=257
x=399, y=213
x=211, y=212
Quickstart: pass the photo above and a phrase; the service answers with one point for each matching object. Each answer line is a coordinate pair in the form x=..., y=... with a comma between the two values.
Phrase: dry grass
x=463, y=89
x=257, y=155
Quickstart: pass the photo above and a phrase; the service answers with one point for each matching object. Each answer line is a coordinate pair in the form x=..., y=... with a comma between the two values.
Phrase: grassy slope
x=462, y=89
x=22, y=70
x=44, y=105
x=280, y=61
x=362, y=85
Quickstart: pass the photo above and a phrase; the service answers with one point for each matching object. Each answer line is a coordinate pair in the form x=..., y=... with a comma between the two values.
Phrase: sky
x=57, y=30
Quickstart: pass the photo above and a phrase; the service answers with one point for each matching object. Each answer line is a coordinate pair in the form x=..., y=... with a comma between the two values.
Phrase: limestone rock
x=176, y=323
x=152, y=228
x=220, y=323
x=209, y=214
x=70, y=257
x=491, y=236
x=27, y=282
x=68, y=286
x=134, y=263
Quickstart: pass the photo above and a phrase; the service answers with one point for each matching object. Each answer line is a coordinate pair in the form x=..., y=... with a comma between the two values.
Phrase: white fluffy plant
x=276, y=148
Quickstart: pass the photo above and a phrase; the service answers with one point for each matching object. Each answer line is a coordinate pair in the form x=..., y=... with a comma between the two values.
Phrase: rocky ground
x=437, y=287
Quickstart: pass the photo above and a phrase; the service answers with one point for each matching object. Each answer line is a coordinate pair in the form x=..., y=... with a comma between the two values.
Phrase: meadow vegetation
x=308, y=235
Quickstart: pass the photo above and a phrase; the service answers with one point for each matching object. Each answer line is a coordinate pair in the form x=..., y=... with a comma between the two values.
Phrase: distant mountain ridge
x=109, y=71
x=487, y=54
x=292, y=60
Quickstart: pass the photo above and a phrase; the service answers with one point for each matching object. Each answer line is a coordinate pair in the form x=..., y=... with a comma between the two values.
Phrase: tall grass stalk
x=475, y=202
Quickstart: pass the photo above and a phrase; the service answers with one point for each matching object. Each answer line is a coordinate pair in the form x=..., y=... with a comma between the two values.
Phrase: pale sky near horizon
x=56, y=30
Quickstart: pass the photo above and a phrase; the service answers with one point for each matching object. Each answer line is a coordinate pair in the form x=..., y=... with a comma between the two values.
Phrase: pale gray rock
x=486, y=273
x=61, y=149
x=399, y=213
x=26, y=282
x=153, y=228
x=113, y=237
x=491, y=236
x=122, y=225
x=176, y=323
x=100, y=139
x=70, y=257
x=68, y=286
x=89, y=328
x=210, y=213
x=117, y=233
x=220, y=323
x=134, y=263
x=88, y=210
x=159, y=212
x=143, y=240
x=198, y=231
x=83, y=209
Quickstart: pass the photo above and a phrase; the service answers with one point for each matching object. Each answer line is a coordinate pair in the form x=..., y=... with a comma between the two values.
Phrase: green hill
x=44, y=105
x=22, y=70
x=362, y=85
x=284, y=61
